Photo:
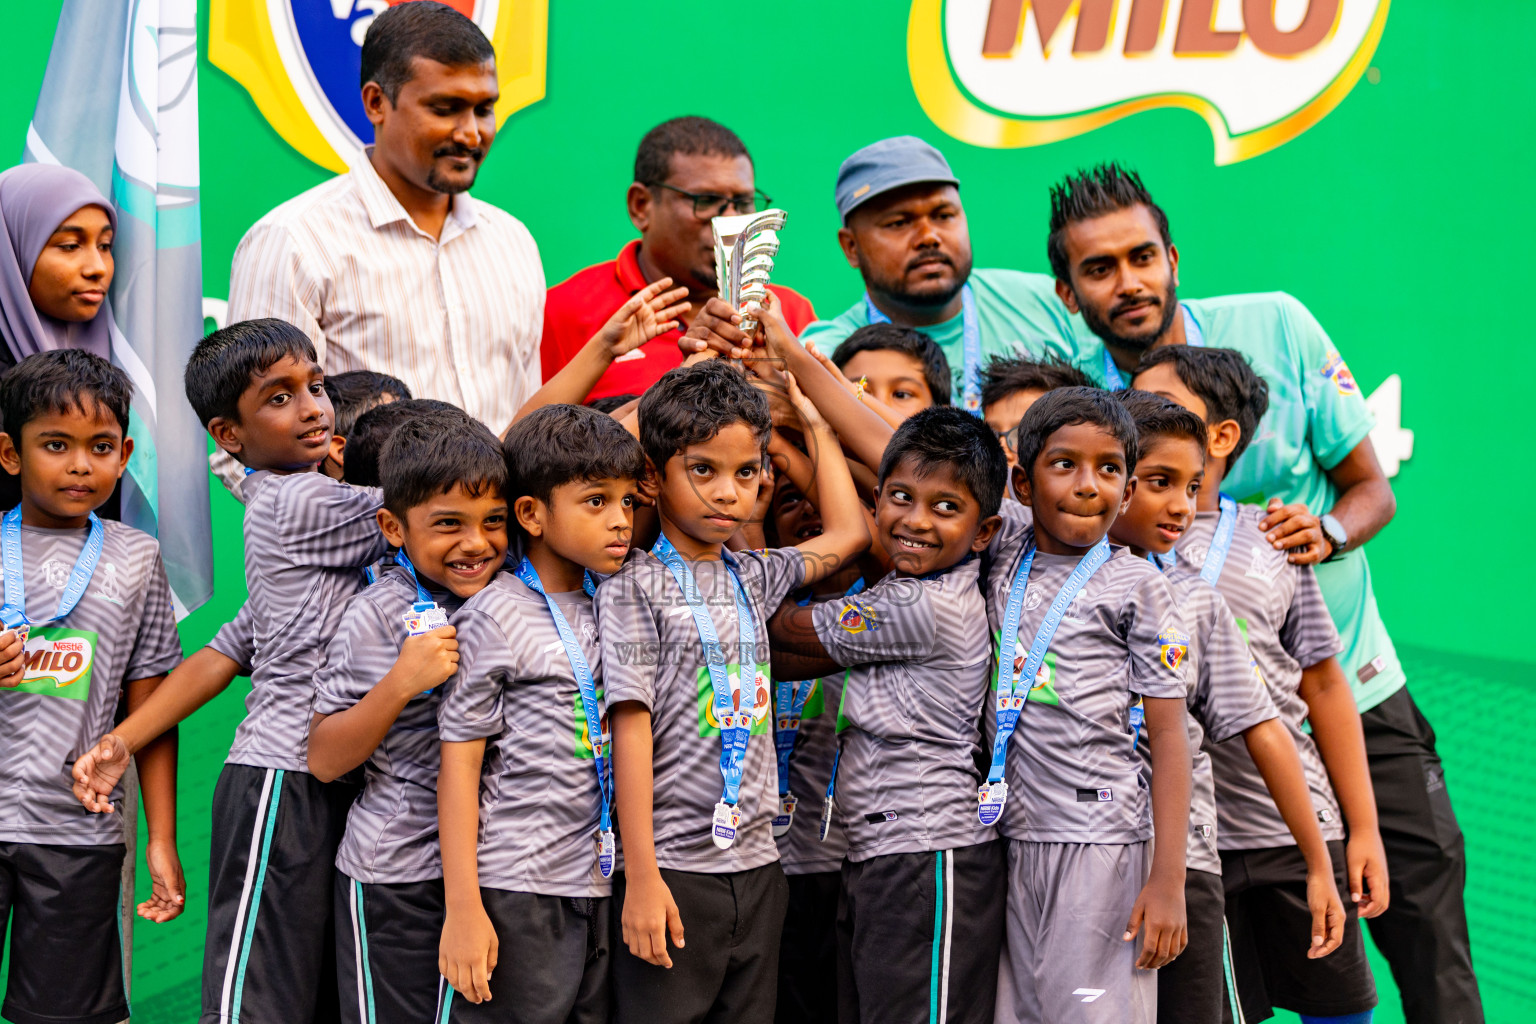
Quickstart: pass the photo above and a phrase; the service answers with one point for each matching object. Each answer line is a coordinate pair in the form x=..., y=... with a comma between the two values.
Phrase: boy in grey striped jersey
x=376, y=701
x=683, y=631
x=919, y=924
x=1270, y=896
x=524, y=763
x=1227, y=698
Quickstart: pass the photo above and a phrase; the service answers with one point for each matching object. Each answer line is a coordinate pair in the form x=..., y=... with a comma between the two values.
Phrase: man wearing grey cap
x=904, y=229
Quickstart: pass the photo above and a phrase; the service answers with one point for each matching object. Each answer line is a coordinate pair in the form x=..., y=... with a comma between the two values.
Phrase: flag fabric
x=119, y=104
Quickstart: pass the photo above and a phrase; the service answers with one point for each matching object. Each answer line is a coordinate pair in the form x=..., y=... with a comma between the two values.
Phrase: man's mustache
x=473, y=153
x=1140, y=300
x=929, y=258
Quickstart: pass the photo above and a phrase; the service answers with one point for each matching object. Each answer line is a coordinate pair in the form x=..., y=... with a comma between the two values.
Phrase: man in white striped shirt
x=392, y=266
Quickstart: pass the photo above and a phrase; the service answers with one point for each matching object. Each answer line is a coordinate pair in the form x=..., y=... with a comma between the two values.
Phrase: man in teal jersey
x=904, y=230
x=1115, y=263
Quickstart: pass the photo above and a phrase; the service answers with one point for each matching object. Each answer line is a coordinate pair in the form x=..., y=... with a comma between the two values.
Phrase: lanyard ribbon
x=1221, y=542
x=1193, y=335
x=582, y=670
x=789, y=705
x=14, y=612
x=970, y=333
x=735, y=721
x=1010, y=699
x=425, y=615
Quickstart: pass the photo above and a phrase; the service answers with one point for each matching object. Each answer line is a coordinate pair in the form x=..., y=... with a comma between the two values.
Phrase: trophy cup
x=744, y=249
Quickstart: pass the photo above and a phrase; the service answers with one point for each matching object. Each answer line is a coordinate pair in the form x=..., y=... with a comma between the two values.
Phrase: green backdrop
x=1382, y=218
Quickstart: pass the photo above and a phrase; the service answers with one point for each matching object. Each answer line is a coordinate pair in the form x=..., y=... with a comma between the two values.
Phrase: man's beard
x=897, y=288
x=448, y=188
x=1139, y=342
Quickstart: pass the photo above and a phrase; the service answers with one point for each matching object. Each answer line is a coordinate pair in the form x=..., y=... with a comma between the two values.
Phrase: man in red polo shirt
x=688, y=170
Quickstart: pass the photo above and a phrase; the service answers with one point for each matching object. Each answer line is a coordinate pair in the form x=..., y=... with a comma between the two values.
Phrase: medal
x=990, y=798
x=786, y=815
x=723, y=826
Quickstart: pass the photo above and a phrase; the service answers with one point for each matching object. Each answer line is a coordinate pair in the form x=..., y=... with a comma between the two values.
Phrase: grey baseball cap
x=887, y=164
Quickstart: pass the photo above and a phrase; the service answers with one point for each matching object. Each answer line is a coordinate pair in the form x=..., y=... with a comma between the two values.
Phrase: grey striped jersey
x=123, y=629
x=1226, y=697
x=306, y=539
x=1073, y=773
x=1281, y=612
x=392, y=826
x=810, y=768
x=539, y=796
x=652, y=655
x=919, y=663
x=236, y=639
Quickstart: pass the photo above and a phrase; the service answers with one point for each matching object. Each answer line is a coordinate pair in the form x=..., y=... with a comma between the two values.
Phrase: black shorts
x=387, y=936
x=729, y=969
x=66, y=954
x=553, y=962
x=1192, y=988
x=917, y=931
x=1271, y=931
x=808, y=950
x=270, y=953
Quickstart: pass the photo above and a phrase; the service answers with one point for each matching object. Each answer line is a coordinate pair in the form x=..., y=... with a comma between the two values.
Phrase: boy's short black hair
x=1102, y=190
x=609, y=403
x=1223, y=380
x=691, y=136
x=365, y=446
x=1008, y=375
x=62, y=380
x=420, y=29
x=1158, y=418
x=691, y=404
x=222, y=365
x=950, y=437
x=558, y=444
x=427, y=457
x=1065, y=407
x=890, y=338
x=356, y=391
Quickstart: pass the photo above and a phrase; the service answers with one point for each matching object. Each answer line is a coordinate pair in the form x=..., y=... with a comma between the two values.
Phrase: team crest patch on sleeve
x=857, y=618
x=1173, y=647
x=1336, y=370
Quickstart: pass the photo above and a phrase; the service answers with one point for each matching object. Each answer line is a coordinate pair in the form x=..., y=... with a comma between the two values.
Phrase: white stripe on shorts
x=245, y=893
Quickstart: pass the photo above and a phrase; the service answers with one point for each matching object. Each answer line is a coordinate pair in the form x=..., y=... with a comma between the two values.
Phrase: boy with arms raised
x=1294, y=643
x=536, y=896
x=687, y=687
x=376, y=701
x=94, y=635
x=1092, y=648
x=919, y=922
x=1227, y=698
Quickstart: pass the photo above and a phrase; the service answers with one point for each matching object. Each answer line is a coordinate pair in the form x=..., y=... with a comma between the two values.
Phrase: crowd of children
x=788, y=691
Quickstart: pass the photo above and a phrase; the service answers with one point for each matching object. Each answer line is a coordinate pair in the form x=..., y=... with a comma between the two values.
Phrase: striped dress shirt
x=457, y=318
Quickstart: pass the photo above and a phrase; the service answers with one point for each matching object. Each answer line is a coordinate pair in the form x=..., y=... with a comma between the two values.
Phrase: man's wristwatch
x=1334, y=530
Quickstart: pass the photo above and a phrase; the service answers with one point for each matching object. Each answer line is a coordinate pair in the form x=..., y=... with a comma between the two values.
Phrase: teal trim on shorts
x=447, y=1003
x=938, y=937
x=261, y=877
x=1233, y=1003
x=362, y=938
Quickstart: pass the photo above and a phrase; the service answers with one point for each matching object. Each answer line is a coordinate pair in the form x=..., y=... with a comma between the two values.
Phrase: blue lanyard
x=14, y=611
x=403, y=560
x=735, y=721
x=584, y=681
x=1193, y=335
x=1221, y=543
x=970, y=333
x=1166, y=562
x=789, y=705
x=1010, y=701
x=1113, y=381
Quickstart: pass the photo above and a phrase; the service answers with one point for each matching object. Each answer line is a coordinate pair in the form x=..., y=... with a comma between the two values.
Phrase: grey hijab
x=34, y=200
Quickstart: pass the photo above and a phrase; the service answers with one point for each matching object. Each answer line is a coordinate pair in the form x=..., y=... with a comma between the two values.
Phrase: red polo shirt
x=576, y=308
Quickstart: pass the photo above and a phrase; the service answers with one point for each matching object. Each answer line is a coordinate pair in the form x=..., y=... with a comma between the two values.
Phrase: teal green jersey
x=1018, y=313
x=1316, y=416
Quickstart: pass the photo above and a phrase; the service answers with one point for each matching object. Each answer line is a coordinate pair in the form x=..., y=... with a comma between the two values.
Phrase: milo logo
x=58, y=663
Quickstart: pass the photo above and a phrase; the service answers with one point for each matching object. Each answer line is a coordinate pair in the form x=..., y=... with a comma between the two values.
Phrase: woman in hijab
x=56, y=231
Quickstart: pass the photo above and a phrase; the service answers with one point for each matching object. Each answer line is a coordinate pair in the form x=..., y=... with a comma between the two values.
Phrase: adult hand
x=716, y=328
x=1293, y=529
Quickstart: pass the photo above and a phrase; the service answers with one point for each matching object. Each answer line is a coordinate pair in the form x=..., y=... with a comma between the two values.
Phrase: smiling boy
x=1092, y=648
x=900, y=367
x=376, y=701
x=100, y=633
x=683, y=629
x=919, y=923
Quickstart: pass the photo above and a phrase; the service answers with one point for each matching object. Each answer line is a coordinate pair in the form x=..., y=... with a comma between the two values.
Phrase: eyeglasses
x=1008, y=438
x=707, y=204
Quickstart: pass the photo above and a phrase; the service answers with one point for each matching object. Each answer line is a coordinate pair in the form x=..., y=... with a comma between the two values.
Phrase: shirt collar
x=384, y=209
x=627, y=268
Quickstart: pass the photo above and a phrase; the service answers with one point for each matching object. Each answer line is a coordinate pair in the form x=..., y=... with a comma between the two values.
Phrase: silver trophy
x=744, y=249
